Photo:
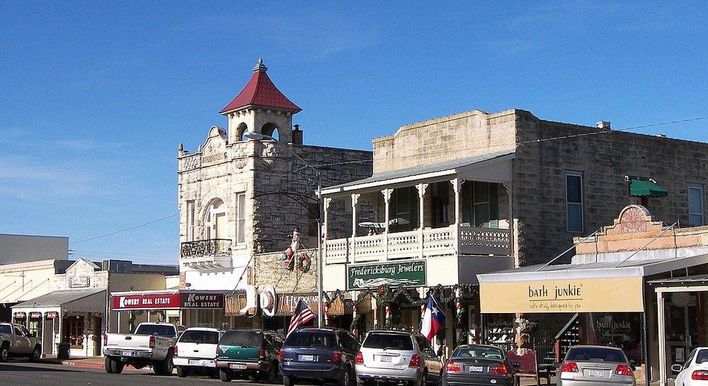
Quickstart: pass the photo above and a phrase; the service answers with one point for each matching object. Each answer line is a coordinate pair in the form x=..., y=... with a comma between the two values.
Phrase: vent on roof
x=605, y=125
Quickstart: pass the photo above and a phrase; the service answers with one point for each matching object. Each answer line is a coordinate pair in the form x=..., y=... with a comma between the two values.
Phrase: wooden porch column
x=457, y=188
x=355, y=202
x=387, y=202
x=512, y=226
x=421, y=193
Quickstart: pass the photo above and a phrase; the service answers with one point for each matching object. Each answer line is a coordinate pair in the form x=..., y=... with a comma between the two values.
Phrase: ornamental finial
x=260, y=66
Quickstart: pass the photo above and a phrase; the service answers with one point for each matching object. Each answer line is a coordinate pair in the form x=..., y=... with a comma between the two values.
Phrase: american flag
x=302, y=315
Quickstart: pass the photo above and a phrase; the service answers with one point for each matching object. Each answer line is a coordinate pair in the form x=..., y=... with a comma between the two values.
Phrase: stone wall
x=604, y=159
x=269, y=270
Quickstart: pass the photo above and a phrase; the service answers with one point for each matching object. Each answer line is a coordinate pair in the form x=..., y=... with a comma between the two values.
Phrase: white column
x=355, y=202
x=421, y=207
x=325, y=208
x=387, y=202
x=512, y=226
x=662, y=338
x=457, y=188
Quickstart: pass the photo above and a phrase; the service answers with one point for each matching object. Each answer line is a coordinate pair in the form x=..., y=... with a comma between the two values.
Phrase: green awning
x=646, y=188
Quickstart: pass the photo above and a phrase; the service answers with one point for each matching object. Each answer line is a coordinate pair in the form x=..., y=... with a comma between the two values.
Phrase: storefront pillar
x=645, y=350
x=662, y=338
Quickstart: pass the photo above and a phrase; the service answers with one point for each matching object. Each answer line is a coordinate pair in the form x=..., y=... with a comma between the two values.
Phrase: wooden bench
x=528, y=367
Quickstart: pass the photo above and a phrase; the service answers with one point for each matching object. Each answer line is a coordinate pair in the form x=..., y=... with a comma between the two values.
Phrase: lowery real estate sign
x=400, y=274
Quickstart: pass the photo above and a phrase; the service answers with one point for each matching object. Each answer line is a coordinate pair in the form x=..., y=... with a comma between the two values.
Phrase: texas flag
x=433, y=319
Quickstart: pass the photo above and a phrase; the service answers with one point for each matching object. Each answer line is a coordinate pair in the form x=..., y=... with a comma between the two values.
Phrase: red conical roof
x=260, y=91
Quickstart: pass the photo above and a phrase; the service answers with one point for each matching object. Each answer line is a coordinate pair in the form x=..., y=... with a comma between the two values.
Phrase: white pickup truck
x=152, y=344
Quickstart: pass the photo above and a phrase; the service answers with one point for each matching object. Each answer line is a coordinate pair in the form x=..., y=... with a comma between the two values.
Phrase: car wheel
x=181, y=372
x=165, y=367
x=225, y=375
x=274, y=373
x=118, y=366
x=108, y=365
x=288, y=381
x=423, y=381
x=36, y=354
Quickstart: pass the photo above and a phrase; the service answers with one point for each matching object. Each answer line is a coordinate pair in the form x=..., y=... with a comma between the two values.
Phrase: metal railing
x=201, y=248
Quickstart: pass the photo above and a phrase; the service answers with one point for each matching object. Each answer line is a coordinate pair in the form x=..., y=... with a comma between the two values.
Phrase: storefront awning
x=646, y=188
x=571, y=288
x=83, y=300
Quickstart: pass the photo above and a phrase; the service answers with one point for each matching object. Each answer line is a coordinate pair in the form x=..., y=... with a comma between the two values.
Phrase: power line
x=126, y=229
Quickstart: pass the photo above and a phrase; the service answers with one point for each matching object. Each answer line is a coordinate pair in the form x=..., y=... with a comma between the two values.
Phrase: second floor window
x=240, y=218
x=574, y=201
x=190, y=220
x=695, y=205
x=215, y=224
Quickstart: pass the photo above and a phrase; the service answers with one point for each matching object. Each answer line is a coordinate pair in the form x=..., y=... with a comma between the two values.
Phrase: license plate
x=475, y=369
x=384, y=358
x=595, y=373
x=237, y=366
x=129, y=353
x=306, y=358
x=197, y=362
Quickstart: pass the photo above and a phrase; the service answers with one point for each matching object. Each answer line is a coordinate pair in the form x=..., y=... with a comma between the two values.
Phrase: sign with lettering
x=202, y=300
x=79, y=282
x=288, y=302
x=51, y=314
x=146, y=301
x=399, y=274
x=35, y=315
x=20, y=315
x=613, y=294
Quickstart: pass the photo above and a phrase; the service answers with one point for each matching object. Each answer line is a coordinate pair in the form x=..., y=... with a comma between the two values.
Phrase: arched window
x=215, y=220
x=242, y=128
x=271, y=130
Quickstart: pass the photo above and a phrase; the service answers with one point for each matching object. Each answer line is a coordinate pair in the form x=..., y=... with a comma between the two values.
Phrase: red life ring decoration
x=304, y=262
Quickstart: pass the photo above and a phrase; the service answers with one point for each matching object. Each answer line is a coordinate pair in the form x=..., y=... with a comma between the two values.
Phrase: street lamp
x=260, y=137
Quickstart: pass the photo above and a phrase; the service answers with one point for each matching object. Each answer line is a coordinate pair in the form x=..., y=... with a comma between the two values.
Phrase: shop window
x=240, y=218
x=74, y=331
x=574, y=201
x=695, y=205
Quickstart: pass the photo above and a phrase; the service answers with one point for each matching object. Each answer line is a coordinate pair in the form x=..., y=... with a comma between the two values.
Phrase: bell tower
x=260, y=107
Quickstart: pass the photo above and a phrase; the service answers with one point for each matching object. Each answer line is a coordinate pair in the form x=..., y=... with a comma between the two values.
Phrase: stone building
x=239, y=197
x=476, y=192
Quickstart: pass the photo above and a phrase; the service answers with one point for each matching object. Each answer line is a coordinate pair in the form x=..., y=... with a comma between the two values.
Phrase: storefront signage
x=20, y=315
x=369, y=276
x=80, y=282
x=566, y=295
x=146, y=301
x=51, y=315
x=35, y=315
x=201, y=301
x=288, y=302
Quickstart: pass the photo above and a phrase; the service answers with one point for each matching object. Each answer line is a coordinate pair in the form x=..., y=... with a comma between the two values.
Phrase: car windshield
x=388, y=341
x=596, y=354
x=5, y=329
x=324, y=339
x=200, y=336
x=702, y=356
x=155, y=329
x=243, y=338
x=478, y=352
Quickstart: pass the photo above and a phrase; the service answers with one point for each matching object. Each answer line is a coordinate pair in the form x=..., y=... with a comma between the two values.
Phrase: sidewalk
x=87, y=362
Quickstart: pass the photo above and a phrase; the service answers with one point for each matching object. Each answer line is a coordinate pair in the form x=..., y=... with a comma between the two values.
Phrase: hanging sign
x=51, y=315
x=35, y=315
x=20, y=315
x=400, y=274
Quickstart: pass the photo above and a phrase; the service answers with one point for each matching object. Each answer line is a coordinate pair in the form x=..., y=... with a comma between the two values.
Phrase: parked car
x=478, y=365
x=591, y=365
x=249, y=352
x=15, y=340
x=195, y=351
x=694, y=371
x=319, y=354
x=397, y=356
x=152, y=344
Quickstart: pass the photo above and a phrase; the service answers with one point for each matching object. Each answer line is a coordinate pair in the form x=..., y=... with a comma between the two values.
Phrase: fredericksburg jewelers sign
x=403, y=274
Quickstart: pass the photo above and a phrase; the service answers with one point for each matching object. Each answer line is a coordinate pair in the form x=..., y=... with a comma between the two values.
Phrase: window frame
x=699, y=212
x=567, y=175
x=240, y=221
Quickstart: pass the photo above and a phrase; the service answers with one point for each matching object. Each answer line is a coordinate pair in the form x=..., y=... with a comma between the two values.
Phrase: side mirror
x=676, y=368
x=633, y=365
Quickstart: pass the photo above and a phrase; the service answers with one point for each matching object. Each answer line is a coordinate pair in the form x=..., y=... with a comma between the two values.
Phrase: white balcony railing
x=448, y=241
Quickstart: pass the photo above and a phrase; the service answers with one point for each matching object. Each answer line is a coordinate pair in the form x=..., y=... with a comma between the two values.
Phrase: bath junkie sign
x=403, y=274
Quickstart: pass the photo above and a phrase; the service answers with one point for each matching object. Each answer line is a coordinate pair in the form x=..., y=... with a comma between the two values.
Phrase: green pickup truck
x=249, y=353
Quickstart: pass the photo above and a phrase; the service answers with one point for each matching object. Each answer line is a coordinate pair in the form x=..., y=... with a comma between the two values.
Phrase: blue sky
x=95, y=97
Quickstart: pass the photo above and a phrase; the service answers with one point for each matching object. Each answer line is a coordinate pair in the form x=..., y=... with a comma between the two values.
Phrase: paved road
x=43, y=374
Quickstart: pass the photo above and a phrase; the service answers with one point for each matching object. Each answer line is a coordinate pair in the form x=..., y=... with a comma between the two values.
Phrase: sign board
x=288, y=302
x=79, y=282
x=51, y=315
x=613, y=294
x=35, y=315
x=234, y=302
x=20, y=315
x=148, y=301
x=399, y=274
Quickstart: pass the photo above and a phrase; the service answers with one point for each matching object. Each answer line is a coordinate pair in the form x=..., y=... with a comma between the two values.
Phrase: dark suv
x=248, y=352
x=320, y=354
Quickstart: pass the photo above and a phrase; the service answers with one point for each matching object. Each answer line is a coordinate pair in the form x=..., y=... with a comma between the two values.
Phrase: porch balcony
x=431, y=242
x=207, y=254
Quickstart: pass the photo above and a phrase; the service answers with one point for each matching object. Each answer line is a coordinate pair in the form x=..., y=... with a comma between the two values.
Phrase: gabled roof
x=261, y=92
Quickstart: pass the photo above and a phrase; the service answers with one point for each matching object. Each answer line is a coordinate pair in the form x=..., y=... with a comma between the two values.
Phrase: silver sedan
x=595, y=365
